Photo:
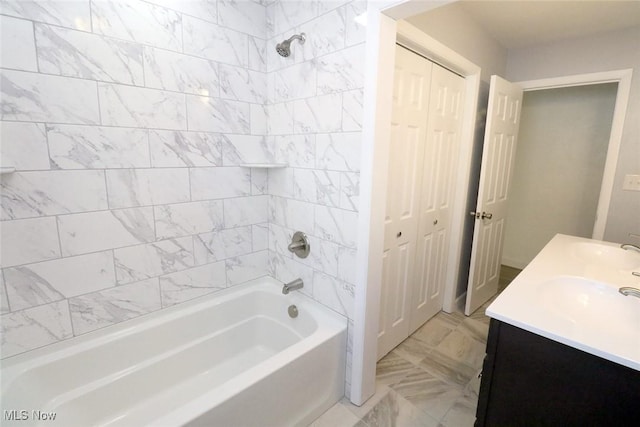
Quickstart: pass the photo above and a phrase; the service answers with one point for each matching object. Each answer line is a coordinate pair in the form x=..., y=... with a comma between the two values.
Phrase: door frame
x=383, y=30
x=623, y=78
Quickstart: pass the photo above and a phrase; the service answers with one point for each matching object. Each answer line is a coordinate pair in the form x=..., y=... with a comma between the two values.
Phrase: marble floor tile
x=395, y=411
x=463, y=348
x=413, y=350
x=392, y=368
x=360, y=411
x=428, y=393
x=475, y=329
x=462, y=413
x=452, y=319
x=434, y=331
x=337, y=416
x=447, y=369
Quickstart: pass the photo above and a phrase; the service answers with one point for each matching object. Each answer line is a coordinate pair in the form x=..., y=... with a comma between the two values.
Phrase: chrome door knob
x=481, y=215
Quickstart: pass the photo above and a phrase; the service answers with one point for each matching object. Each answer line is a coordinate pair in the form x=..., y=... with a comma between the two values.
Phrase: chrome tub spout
x=292, y=286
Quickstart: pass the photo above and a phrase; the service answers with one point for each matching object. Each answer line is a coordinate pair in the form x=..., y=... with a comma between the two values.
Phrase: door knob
x=399, y=234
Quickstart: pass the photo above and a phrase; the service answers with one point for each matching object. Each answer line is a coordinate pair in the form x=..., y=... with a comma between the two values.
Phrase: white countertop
x=569, y=293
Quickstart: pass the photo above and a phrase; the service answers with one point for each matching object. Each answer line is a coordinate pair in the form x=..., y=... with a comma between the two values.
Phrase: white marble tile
x=211, y=41
x=239, y=149
x=140, y=187
x=347, y=263
x=323, y=256
x=260, y=236
x=292, y=214
x=258, y=119
x=298, y=151
x=31, y=194
x=218, y=115
x=245, y=16
x=350, y=190
x=279, y=240
x=192, y=283
x=99, y=309
x=35, y=327
x=222, y=244
x=185, y=219
x=181, y=73
x=258, y=54
x=140, y=107
x=293, y=82
x=339, y=151
x=17, y=45
x=280, y=118
x=142, y=262
x=23, y=146
x=337, y=295
x=325, y=34
x=318, y=114
x=288, y=269
x=356, y=29
x=342, y=70
x=88, y=56
x=246, y=267
x=203, y=9
x=259, y=181
x=180, y=148
x=317, y=186
x=71, y=14
x=240, y=211
x=137, y=21
x=220, y=183
x=288, y=14
x=28, y=240
x=241, y=84
x=337, y=225
x=97, y=147
x=96, y=231
x=352, y=102
x=4, y=301
x=42, y=98
x=281, y=182
x=44, y=282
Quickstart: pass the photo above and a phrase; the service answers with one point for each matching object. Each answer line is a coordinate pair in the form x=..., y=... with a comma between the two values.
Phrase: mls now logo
x=23, y=415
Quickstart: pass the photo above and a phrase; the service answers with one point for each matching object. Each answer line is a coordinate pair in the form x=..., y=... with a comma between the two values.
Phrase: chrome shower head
x=284, y=48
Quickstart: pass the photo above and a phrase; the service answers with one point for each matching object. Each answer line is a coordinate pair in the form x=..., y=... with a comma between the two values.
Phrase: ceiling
x=516, y=24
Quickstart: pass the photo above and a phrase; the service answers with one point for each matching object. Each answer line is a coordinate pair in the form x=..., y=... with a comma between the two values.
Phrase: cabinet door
x=408, y=135
x=436, y=195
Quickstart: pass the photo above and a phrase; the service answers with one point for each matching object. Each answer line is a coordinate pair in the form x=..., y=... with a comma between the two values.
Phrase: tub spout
x=292, y=286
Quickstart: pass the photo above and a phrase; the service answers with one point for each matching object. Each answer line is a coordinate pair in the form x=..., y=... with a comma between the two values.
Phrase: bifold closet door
x=436, y=196
x=412, y=79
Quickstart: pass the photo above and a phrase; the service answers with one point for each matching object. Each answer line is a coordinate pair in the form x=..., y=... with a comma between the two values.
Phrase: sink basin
x=606, y=256
x=589, y=306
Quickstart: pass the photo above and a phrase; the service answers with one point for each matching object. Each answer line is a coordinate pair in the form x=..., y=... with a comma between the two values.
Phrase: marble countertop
x=569, y=293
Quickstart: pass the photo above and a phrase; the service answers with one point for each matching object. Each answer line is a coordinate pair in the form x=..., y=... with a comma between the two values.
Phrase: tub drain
x=293, y=311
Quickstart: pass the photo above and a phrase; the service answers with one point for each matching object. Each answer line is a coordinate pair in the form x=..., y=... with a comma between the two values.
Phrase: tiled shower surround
x=127, y=120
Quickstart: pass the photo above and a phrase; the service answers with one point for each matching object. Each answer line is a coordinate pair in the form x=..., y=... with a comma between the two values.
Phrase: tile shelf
x=264, y=165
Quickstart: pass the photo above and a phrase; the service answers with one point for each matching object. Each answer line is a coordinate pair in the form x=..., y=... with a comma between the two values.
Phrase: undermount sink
x=590, y=304
x=606, y=256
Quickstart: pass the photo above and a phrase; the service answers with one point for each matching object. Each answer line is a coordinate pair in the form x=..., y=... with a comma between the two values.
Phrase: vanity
x=564, y=344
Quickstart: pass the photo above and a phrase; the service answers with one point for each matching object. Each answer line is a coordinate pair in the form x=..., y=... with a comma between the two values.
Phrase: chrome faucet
x=292, y=286
x=626, y=246
x=626, y=291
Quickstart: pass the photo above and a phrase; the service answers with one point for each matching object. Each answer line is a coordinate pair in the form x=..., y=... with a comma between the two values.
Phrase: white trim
x=623, y=78
x=381, y=37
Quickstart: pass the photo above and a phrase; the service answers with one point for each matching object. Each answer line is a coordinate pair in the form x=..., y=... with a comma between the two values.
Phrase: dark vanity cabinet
x=529, y=380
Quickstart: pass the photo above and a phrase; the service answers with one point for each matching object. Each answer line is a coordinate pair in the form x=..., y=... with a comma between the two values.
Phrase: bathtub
x=235, y=358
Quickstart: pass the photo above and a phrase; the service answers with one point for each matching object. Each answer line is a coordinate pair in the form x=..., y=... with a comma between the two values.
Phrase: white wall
x=604, y=52
x=562, y=148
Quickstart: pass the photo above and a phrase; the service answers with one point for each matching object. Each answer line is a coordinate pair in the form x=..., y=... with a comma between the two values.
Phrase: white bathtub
x=235, y=358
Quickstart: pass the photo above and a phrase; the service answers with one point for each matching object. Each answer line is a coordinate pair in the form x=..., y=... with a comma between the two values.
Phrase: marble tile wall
x=126, y=121
x=314, y=110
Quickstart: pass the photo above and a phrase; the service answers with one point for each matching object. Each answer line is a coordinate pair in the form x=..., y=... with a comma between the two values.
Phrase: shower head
x=284, y=48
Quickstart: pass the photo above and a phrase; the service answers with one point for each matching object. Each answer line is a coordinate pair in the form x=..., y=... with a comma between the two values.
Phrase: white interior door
x=408, y=133
x=498, y=154
x=437, y=190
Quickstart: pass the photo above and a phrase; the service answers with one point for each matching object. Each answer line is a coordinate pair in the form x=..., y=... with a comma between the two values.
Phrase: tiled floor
x=430, y=379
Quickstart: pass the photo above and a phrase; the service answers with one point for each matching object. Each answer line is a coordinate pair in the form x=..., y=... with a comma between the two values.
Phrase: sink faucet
x=292, y=286
x=630, y=246
x=626, y=291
